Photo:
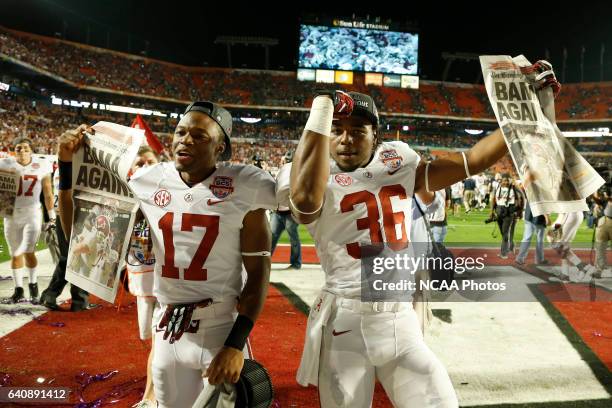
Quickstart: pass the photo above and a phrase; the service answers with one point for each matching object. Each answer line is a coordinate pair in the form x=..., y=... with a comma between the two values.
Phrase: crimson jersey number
x=390, y=218
x=196, y=270
x=30, y=189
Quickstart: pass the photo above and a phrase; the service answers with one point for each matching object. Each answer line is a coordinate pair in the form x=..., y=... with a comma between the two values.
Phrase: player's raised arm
x=310, y=167
x=255, y=243
x=460, y=165
x=69, y=143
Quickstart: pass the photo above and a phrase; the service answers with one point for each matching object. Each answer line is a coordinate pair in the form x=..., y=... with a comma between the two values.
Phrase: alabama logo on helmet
x=391, y=160
x=162, y=198
x=221, y=186
x=343, y=179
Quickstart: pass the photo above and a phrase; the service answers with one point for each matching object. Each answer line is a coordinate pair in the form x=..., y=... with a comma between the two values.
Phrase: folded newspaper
x=556, y=177
x=9, y=183
x=104, y=208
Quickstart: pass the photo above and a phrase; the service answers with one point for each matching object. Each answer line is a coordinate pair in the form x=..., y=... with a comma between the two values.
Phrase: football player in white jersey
x=206, y=221
x=561, y=235
x=23, y=228
x=350, y=188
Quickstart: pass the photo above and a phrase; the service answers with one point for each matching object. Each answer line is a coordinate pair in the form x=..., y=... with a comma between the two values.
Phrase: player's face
x=23, y=153
x=144, y=160
x=148, y=159
x=198, y=142
x=352, y=142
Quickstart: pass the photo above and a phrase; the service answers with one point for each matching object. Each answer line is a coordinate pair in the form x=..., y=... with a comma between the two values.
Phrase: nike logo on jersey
x=335, y=333
x=213, y=202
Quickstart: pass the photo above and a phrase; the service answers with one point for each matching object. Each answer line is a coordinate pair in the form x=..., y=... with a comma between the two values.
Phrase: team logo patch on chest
x=221, y=186
x=343, y=179
x=162, y=198
x=35, y=166
x=391, y=160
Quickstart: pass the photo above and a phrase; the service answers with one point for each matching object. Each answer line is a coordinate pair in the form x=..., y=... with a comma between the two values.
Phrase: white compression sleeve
x=321, y=116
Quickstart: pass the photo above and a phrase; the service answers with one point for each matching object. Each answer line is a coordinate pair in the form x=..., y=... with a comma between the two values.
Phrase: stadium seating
x=97, y=68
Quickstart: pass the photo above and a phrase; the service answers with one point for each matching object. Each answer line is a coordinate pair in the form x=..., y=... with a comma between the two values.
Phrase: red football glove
x=544, y=76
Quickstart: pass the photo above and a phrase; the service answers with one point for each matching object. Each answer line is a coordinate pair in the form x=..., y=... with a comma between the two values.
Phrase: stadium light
x=593, y=133
x=405, y=128
x=250, y=120
x=474, y=132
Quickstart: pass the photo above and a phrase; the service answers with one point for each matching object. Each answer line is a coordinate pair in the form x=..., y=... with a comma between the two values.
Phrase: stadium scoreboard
x=331, y=53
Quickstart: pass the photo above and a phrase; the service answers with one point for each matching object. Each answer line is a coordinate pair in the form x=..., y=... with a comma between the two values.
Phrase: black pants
x=58, y=281
x=505, y=221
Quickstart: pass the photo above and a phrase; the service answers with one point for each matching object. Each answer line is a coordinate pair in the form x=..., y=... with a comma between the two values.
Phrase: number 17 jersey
x=196, y=230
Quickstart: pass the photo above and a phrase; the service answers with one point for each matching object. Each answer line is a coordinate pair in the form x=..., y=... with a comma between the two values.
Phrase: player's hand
x=225, y=367
x=545, y=77
x=49, y=225
x=343, y=103
x=81, y=249
x=70, y=141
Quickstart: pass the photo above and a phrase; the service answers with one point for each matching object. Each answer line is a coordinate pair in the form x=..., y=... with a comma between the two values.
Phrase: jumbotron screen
x=355, y=49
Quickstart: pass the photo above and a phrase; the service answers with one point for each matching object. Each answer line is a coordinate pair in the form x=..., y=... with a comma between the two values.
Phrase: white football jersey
x=457, y=190
x=372, y=204
x=196, y=230
x=30, y=185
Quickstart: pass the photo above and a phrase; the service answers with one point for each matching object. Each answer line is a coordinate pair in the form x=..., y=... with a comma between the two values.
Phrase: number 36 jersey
x=371, y=205
x=196, y=230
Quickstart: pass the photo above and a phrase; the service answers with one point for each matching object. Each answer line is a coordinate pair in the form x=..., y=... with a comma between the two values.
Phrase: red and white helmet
x=102, y=224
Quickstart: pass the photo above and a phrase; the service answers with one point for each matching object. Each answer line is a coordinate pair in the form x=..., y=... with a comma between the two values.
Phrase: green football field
x=469, y=229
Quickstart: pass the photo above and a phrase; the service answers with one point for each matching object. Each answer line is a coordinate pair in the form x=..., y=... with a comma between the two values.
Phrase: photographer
x=504, y=207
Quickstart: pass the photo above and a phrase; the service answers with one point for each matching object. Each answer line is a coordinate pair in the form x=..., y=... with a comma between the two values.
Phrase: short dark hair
x=21, y=140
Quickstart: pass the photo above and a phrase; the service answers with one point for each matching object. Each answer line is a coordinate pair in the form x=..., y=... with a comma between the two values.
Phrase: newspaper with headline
x=104, y=208
x=556, y=177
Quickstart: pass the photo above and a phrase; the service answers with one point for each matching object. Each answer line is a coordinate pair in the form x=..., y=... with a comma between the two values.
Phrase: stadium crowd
x=268, y=139
x=86, y=66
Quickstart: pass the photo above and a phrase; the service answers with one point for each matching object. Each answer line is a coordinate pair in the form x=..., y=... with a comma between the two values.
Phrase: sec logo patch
x=343, y=179
x=162, y=198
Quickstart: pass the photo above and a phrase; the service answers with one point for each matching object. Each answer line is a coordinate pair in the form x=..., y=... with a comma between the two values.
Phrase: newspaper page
x=556, y=177
x=9, y=183
x=104, y=208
